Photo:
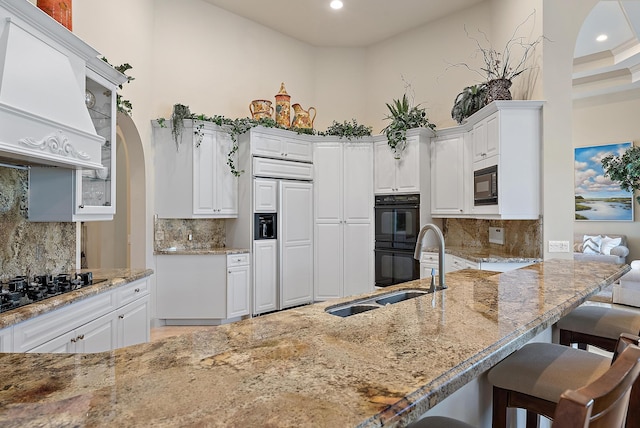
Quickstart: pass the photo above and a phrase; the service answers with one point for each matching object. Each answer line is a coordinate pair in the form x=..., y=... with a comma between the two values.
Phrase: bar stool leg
x=499, y=416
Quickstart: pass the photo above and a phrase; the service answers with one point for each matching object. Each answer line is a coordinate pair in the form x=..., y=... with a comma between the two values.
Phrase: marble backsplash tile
x=26, y=247
x=521, y=237
x=206, y=234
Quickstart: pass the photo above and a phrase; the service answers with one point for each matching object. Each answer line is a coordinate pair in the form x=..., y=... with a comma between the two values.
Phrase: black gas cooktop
x=24, y=290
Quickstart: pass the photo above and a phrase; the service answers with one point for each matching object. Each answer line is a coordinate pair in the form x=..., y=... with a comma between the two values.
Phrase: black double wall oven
x=397, y=224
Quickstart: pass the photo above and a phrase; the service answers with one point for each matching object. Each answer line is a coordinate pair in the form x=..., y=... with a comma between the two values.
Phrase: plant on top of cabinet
x=500, y=68
x=123, y=106
x=625, y=169
x=403, y=116
x=469, y=101
x=347, y=130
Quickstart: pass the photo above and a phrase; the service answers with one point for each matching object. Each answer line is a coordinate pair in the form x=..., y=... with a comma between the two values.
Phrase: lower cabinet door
x=64, y=343
x=237, y=291
x=265, y=276
x=133, y=323
x=97, y=336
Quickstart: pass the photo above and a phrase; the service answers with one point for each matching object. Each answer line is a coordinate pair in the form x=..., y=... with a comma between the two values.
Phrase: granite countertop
x=112, y=278
x=303, y=367
x=196, y=251
x=486, y=254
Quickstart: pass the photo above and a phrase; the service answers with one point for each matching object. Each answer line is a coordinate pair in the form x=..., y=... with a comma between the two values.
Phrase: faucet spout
x=418, y=252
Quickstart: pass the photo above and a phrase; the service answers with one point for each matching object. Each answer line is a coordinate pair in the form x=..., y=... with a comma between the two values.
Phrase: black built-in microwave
x=485, y=186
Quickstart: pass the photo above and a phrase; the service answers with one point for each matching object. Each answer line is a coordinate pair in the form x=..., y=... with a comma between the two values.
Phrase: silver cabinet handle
x=81, y=206
x=121, y=316
x=137, y=290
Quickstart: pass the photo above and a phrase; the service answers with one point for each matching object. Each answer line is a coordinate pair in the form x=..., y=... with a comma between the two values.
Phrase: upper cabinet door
x=447, y=175
x=384, y=169
x=265, y=195
x=358, y=182
x=408, y=168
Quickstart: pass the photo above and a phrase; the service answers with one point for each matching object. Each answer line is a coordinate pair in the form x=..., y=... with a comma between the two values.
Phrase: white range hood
x=43, y=116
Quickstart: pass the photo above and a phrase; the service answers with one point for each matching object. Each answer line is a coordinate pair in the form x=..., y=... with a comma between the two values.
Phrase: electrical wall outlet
x=496, y=235
x=558, y=246
x=160, y=235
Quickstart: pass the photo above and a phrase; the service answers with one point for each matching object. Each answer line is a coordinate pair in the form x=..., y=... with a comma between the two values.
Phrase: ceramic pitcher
x=302, y=118
x=260, y=109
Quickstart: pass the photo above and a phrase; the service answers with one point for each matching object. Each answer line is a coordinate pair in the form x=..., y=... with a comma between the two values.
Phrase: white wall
x=604, y=120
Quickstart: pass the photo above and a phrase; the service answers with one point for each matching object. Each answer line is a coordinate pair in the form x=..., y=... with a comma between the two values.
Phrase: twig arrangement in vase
x=500, y=68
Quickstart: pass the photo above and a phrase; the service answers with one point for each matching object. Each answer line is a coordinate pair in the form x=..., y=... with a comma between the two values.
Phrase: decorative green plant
x=347, y=130
x=403, y=117
x=469, y=101
x=625, y=169
x=124, y=106
x=179, y=113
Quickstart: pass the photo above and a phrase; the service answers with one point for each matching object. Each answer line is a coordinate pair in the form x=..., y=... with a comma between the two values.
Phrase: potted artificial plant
x=469, y=101
x=403, y=116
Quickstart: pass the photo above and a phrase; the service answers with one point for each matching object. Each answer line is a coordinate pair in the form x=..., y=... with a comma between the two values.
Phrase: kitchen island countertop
x=200, y=251
x=303, y=367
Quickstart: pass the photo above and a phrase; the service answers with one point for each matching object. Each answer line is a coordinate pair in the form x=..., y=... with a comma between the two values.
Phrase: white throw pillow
x=608, y=244
x=591, y=244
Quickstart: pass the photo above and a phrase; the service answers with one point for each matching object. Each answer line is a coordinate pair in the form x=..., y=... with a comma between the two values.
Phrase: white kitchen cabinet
x=195, y=288
x=265, y=276
x=133, y=323
x=448, y=175
x=265, y=195
x=429, y=261
x=397, y=175
x=6, y=339
x=295, y=233
x=280, y=144
x=104, y=322
x=238, y=285
x=454, y=263
x=99, y=335
x=193, y=179
x=343, y=206
x=486, y=142
x=58, y=194
x=514, y=134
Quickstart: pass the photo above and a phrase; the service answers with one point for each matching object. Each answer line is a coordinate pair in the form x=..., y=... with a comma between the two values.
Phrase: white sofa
x=617, y=255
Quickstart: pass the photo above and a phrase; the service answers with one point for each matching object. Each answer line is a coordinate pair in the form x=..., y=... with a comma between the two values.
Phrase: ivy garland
x=236, y=127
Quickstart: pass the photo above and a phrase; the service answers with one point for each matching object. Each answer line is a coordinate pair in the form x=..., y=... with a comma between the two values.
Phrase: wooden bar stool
x=597, y=326
x=603, y=403
x=534, y=377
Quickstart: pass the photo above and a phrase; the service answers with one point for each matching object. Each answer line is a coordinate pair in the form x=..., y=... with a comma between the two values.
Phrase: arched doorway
x=120, y=243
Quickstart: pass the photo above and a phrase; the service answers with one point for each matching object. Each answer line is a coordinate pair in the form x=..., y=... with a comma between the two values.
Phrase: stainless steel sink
x=348, y=310
x=357, y=307
x=400, y=296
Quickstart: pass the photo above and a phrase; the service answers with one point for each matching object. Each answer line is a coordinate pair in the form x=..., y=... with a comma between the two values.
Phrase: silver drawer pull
x=121, y=316
x=137, y=290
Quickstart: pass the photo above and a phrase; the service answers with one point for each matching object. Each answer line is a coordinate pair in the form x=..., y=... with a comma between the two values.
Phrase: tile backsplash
x=521, y=237
x=205, y=233
x=26, y=247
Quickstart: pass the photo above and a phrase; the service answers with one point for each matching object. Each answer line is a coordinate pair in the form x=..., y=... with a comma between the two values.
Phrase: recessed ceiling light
x=602, y=37
x=336, y=4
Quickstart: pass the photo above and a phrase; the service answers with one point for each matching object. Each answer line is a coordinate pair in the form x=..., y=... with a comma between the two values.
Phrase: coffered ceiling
x=599, y=67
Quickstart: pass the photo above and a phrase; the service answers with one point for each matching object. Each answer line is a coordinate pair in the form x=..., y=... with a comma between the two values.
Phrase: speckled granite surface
x=173, y=232
x=303, y=367
x=210, y=251
x=114, y=278
x=26, y=247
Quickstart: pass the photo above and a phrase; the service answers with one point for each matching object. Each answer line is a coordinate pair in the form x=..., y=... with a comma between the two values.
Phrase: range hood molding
x=43, y=70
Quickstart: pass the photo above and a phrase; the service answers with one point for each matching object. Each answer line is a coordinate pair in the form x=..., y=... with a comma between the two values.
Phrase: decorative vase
x=260, y=109
x=302, y=118
x=60, y=10
x=498, y=89
x=283, y=107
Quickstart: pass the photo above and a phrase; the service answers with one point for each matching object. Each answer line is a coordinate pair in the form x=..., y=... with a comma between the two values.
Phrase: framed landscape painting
x=596, y=196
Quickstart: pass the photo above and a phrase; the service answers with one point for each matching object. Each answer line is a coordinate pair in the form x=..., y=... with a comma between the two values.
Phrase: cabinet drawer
x=130, y=292
x=263, y=167
x=237, y=259
x=429, y=258
x=32, y=333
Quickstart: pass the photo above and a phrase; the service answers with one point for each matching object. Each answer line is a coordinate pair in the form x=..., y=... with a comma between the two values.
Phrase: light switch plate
x=558, y=246
x=496, y=235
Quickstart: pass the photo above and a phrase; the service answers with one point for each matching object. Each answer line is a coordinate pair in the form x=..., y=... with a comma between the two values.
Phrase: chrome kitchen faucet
x=418, y=251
